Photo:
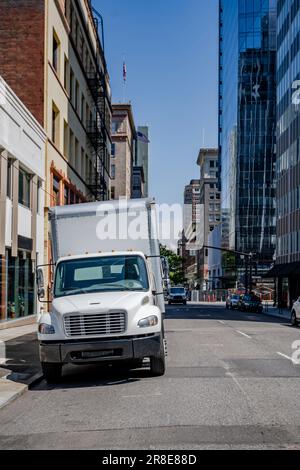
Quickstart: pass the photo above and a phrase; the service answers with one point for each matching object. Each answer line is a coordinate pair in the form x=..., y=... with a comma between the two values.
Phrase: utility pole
x=248, y=261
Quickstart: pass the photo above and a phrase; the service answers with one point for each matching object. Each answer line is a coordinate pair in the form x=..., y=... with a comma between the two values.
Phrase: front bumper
x=253, y=307
x=100, y=350
x=177, y=301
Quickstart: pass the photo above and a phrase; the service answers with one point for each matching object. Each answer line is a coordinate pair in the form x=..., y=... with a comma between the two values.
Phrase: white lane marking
x=221, y=321
x=243, y=334
x=143, y=396
x=286, y=357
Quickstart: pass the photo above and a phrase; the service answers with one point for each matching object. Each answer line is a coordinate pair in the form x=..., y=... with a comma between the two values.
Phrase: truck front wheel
x=52, y=372
x=158, y=363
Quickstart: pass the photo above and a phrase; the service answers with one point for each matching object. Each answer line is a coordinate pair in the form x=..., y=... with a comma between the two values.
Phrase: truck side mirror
x=41, y=294
x=40, y=279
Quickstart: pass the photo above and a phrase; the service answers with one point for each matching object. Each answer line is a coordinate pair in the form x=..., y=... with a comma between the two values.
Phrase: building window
x=66, y=140
x=71, y=148
x=82, y=108
x=24, y=188
x=66, y=195
x=9, y=178
x=71, y=91
x=55, y=53
x=113, y=150
x=56, y=191
x=87, y=175
x=77, y=155
x=117, y=127
x=83, y=175
x=55, y=125
x=113, y=192
x=39, y=197
x=71, y=17
x=212, y=164
x=113, y=172
x=66, y=70
x=77, y=96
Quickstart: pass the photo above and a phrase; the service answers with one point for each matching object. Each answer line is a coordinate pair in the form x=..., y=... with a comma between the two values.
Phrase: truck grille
x=97, y=324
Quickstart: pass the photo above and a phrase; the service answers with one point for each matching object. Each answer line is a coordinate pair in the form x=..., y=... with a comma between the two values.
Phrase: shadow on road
x=95, y=376
x=22, y=358
x=218, y=312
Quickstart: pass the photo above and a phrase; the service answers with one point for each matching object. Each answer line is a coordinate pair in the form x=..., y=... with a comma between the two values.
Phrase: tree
x=175, y=265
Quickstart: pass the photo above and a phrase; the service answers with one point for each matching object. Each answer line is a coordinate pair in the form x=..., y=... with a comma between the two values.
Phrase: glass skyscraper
x=288, y=131
x=287, y=267
x=247, y=124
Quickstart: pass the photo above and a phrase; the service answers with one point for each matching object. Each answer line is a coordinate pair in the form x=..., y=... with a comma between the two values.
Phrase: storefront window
x=20, y=286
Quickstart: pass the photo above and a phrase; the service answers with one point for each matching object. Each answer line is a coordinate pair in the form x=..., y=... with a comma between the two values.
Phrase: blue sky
x=170, y=48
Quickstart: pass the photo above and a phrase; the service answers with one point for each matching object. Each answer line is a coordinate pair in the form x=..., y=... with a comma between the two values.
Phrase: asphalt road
x=230, y=383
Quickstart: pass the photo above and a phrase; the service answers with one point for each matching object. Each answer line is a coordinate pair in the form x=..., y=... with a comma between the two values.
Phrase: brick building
x=53, y=59
x=123, y=151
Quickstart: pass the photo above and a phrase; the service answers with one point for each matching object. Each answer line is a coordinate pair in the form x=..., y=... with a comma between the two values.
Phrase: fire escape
x=98, y=128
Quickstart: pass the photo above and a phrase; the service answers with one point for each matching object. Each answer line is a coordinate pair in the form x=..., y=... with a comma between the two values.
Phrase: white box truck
x=107, y=292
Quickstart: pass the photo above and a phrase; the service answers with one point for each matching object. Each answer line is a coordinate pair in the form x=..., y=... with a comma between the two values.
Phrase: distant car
x=250, y=303
x=177, y=295
x=232, y=301
x=295, y=315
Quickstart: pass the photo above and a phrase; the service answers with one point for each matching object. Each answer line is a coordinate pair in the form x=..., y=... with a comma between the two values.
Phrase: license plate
x=95, y=354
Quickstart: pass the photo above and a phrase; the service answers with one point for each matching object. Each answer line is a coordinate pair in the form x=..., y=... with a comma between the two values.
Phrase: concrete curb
x=10, y=390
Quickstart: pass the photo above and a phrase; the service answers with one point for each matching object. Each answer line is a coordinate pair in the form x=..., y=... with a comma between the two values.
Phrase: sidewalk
x=19, y=362
x=285, y=314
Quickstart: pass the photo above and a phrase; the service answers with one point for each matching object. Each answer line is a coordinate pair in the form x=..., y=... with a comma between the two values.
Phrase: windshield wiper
x=74, y=291
x=124, y=288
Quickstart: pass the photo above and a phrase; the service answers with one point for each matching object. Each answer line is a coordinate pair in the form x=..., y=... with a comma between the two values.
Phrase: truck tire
x=52, y=372
x=158, y=363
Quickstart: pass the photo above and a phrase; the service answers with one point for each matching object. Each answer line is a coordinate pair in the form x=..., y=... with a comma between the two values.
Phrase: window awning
x=284, y=270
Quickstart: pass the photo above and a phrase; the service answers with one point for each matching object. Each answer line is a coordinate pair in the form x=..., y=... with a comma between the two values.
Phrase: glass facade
x=288, y=131
x=247, y=124
x=17, y=286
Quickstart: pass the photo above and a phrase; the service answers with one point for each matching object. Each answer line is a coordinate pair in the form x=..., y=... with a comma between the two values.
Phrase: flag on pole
x=124, y=72
x=142, y=138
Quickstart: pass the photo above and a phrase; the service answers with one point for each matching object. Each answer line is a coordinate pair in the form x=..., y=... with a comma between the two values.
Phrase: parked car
x=177, y=295
x=295, y=315
x=232, y=301
x=250, y=303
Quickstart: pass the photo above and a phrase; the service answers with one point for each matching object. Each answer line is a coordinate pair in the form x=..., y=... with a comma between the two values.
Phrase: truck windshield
x=102, y=274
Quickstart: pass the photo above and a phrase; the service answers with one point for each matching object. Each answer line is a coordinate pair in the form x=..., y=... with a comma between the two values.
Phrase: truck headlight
x=148, y=322
x=45, y=329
